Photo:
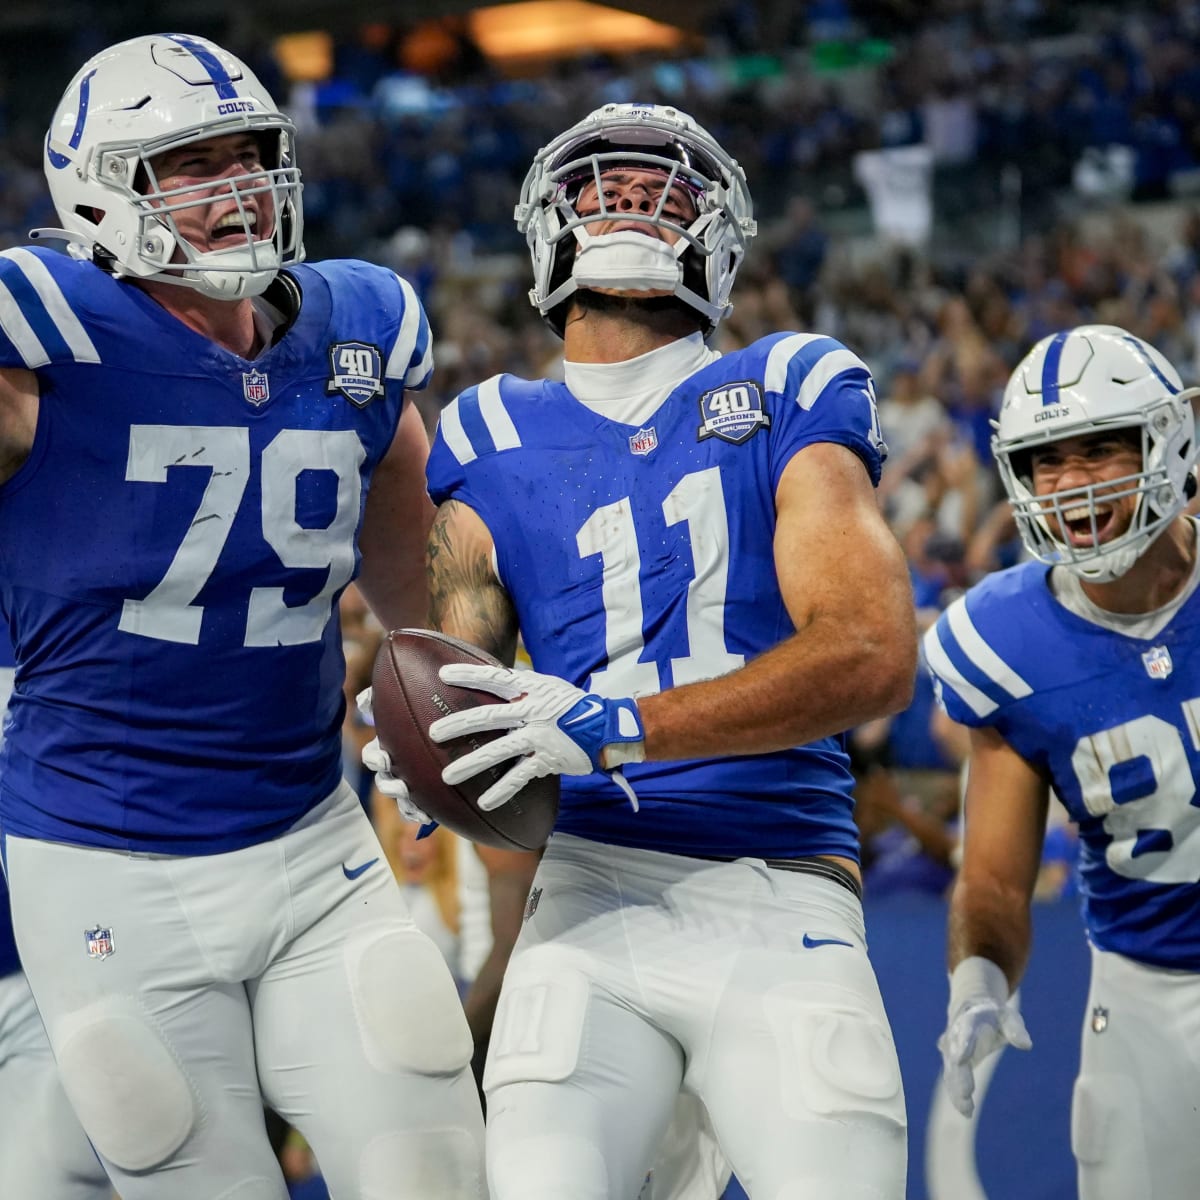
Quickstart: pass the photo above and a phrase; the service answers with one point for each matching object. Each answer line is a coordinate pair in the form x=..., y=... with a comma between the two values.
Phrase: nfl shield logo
x=256, y=387
x=99, y=942
x=1158, y=662
x=1099, y=1019
x=643, y=441
x=532, y=903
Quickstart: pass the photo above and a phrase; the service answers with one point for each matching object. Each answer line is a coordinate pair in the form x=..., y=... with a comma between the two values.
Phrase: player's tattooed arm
x=465, y=597
x=18, y=418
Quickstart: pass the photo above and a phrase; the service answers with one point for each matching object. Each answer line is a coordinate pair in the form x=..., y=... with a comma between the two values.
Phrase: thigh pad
x=409, y=1014
x=129, y=1090
x=538, y=1029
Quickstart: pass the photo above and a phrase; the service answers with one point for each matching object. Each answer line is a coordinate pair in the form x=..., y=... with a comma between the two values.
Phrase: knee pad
x=1106, y=1135
x=128, y=1089
x=409, y=1015
x=422, y=1165
x=538, y=1029
x=836, y=1057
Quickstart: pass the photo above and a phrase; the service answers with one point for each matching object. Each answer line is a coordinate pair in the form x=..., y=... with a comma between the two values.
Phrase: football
x=408, y=698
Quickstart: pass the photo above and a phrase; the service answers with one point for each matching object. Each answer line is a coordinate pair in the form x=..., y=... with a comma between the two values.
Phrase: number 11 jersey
x=641, y=557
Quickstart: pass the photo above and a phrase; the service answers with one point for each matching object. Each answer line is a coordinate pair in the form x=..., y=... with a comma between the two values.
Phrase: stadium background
x=937, y=184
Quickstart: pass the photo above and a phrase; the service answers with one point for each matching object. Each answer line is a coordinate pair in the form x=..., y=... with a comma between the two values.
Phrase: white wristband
x=977, y=978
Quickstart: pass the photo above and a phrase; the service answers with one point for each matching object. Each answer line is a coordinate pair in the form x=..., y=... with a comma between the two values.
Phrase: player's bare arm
x=1006, y=807
x=465, y=597
x=18, y=418
x=395, y=525
x=853, y=656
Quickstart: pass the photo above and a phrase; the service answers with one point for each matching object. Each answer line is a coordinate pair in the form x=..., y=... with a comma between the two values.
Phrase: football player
x=1077, y=673
x=202, y=441
x=689, y=545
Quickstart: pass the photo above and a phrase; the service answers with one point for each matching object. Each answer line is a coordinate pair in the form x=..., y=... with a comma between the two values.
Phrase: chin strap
x=75, y=248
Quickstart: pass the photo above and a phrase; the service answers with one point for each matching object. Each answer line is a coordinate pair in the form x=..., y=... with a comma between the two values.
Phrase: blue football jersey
x=172, y=552
x=641, y=557
x=1114, y=722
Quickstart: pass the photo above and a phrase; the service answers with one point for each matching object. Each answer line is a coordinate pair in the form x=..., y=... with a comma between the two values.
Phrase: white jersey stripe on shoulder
x=782, y=353
x=978, y=702
x=406, y=341
x=495, y=415
x=455, y=435
x=981, y=654
x=827, y=368
x=66, y=322
x=20, y=332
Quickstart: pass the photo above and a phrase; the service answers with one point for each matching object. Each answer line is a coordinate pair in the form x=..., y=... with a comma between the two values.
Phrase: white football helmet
x=1087, y=380
x=130, y=103
x=699, y=268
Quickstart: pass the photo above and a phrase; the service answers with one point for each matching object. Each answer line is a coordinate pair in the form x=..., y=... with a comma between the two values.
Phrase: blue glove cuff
x=596, y=722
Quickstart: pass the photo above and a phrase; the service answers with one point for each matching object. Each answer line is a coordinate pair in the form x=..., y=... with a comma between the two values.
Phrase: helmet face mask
x=697, y=263
x=145, y=97
x=1095, y=380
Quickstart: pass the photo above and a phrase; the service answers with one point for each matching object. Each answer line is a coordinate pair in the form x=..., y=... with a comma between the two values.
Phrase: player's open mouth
x=1078, y=524
x=232, y=228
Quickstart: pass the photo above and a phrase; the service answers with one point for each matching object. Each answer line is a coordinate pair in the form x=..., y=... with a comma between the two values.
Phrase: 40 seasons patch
x=356, y=370
x=733, y=412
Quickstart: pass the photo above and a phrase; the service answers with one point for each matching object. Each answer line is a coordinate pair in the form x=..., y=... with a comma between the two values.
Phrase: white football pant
x=638, y=974
x=290, y=965
x=44, y=1154
x=1134, y=1125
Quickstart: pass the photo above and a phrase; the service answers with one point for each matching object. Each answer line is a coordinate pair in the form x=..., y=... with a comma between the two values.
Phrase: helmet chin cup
x=625, y=261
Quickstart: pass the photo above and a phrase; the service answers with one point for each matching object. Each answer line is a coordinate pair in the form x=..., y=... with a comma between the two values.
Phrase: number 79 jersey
x=1113, y=721
x=642, y=557
x=173, y=549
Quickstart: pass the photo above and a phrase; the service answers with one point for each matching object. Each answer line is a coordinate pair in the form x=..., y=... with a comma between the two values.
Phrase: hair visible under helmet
x=1088, y=380
x=698, y=269
x=135, y=101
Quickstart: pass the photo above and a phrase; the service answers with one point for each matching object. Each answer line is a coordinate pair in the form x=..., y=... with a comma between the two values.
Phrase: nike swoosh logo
x=594, y=706
x=355, y=872
x=811, y=943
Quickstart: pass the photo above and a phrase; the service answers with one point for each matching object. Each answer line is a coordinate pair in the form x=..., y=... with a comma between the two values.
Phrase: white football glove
x=982, y=1018
x=554, y=728
x=376, y=759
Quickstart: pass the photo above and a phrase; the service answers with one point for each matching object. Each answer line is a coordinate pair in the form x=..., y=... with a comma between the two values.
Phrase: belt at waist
x=807, y=866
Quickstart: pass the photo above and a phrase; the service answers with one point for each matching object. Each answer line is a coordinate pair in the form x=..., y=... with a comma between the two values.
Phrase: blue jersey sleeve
x=410, y=357
x=39, y=319
x=820, y=391
x=406, y=351
x=475, y=424
x=974, y=676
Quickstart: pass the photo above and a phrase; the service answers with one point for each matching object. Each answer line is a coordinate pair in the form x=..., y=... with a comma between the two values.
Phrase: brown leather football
x=408, y=698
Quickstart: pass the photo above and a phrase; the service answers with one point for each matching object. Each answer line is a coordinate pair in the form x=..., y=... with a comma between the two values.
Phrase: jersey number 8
x=1138, y=779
